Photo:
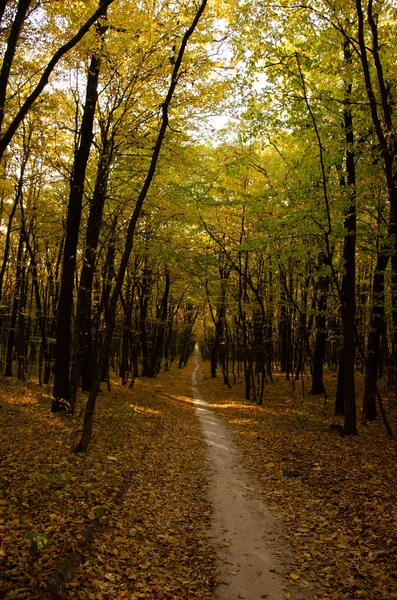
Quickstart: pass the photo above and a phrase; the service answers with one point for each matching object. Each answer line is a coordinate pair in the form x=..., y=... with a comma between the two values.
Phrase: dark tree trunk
x=14, y=312
x=44, y=350
x=23, y=7
x=8, y=236
x=186, y=342
x=214, y=356
x=349, y=280
x=218, y=351
x=125, y=362
x=222, y=332
x=340, y=396
x=83, y=356
x=168, y=341
x=143, y=305
x=242, y=297
x=385, y=132
x=21, y=342
x=318, y=357
x=283, y=331
x=158, y=345
x=17, y=201
x=268, y=330
x=377, y=325
x=125, y=344
x=322, y=288
x=302, y=335
x=61, y=391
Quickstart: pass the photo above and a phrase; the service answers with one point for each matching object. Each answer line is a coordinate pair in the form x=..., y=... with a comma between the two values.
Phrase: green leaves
x=38, y=541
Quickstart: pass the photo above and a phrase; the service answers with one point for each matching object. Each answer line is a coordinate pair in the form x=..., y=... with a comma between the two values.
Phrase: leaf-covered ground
x=128, y=520
x=337, y=495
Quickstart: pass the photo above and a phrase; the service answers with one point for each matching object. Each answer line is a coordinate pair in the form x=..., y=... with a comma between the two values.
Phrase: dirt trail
x=241, y=526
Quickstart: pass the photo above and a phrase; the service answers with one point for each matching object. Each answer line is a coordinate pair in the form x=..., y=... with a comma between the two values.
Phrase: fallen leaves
x=337, y=496
x=133, y=511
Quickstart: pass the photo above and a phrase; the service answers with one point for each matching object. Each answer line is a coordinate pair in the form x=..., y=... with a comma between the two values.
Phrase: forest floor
x=131, y=518
x=336, y=497
x=128, y=520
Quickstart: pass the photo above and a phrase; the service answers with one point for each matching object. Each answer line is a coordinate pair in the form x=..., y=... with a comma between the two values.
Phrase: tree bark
x=388, y=144
x=158, y=345
x=61, y=391
x=322, y=288
x=83, y=354
x=14, y=312
x=349, y=278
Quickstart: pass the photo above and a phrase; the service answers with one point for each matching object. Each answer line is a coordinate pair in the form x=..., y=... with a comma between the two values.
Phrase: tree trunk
x=376, y=329
x=14, y=312
x=349, y=255
x=83, y=355
x=322, y=288
x=61, y=391
x=23, y=7
x=144, y=304
x=385, y=132
x=158, y=345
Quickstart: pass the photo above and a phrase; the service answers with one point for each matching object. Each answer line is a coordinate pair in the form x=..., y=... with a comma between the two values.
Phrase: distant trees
x=318, y=127
x=125, y=239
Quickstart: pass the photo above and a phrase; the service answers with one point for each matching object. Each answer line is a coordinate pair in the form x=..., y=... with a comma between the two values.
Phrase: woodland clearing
x=130, y=519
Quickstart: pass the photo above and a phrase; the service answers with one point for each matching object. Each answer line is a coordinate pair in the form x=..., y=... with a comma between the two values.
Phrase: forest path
x=241, y=523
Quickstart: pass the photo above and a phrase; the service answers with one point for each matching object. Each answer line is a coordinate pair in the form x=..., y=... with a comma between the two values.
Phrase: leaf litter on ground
x=337, y=495
x=134, y=511
x=128, y=520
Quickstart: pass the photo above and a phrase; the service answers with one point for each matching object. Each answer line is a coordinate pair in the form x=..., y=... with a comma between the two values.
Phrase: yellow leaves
x=295, y=576
x=56, y=517
x=166, y=538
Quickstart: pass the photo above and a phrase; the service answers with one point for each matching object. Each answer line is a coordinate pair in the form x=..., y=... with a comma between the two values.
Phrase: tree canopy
x=221, y=173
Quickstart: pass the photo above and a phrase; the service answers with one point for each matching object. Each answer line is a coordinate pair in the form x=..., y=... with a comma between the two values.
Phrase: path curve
x=241, y=525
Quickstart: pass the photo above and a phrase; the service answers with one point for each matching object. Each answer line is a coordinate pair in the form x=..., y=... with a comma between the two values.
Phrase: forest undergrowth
x=337, y=495
x=128, y=520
